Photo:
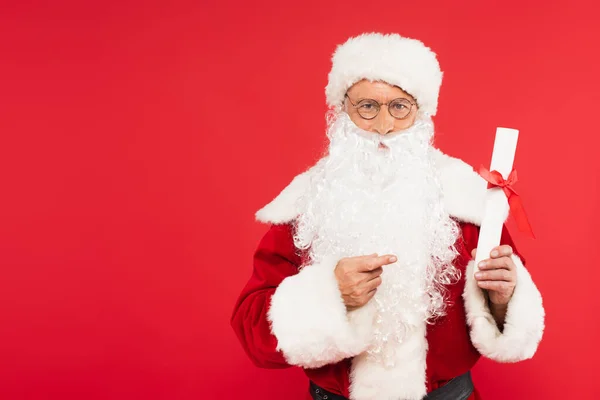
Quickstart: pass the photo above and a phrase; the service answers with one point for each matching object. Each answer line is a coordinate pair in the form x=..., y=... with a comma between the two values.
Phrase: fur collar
x=464, y=193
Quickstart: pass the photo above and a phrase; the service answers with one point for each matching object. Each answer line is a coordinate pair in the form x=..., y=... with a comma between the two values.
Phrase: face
x=381, y=92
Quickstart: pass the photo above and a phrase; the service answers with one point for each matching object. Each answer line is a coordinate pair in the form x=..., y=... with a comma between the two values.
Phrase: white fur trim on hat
x=391, y=58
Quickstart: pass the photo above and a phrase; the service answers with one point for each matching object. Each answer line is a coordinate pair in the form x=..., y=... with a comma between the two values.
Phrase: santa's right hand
x=359, y=277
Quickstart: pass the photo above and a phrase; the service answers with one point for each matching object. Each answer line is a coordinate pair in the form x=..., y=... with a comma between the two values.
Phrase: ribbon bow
x=495, y=179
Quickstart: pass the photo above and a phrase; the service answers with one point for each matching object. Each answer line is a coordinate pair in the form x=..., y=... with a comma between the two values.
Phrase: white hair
x=367, y=199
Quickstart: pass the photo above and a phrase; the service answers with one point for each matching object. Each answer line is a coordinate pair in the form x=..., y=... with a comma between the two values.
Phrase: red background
x=138, y=138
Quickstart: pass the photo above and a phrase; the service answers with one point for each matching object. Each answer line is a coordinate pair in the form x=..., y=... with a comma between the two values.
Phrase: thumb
x=474, y=253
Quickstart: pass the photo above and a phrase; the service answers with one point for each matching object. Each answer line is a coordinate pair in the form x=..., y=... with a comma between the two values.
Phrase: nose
x=384, y=122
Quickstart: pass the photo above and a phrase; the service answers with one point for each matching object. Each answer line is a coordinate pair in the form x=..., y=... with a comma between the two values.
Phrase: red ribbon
x=495, y=179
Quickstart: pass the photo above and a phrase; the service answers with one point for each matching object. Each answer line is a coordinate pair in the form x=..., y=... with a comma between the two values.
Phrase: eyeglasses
x=399, y=108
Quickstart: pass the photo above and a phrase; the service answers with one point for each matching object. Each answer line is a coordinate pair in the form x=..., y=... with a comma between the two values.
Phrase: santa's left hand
x=497, y=275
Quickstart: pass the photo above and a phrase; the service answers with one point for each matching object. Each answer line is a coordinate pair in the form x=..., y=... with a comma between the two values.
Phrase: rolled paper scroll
x=496, y=203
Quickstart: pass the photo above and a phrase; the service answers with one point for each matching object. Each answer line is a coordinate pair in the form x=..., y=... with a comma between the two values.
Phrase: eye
x=367, y=105
x=399, y=106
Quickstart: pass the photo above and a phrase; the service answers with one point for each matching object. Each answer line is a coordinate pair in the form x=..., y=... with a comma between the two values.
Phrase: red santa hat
x=391, y=58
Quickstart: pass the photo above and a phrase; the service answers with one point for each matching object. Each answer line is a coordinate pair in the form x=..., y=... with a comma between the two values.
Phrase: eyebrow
x=370, y=98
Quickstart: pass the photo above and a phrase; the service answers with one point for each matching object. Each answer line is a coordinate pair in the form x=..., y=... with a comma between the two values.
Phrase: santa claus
x=365, y=278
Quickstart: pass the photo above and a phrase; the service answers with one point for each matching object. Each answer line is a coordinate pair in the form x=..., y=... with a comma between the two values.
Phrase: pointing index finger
x=380, y=261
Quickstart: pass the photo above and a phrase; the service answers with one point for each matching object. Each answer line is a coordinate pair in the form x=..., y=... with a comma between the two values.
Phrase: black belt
x=459, y=388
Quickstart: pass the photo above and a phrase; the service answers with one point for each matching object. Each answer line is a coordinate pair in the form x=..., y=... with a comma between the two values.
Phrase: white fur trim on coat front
x=394, y=59
x=309, y=319
x=523, y=325
x=370, y=380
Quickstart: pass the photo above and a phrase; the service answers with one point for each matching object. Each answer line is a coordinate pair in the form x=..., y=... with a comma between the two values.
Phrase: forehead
x=377, y=90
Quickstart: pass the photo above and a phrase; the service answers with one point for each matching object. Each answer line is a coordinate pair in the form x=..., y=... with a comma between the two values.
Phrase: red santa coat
x=290, y=316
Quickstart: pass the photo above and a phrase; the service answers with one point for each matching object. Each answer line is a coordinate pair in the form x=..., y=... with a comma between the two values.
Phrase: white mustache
x=422, y=129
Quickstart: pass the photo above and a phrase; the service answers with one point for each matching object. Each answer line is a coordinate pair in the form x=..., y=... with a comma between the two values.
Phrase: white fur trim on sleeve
x=523, y=325
x=309, y=319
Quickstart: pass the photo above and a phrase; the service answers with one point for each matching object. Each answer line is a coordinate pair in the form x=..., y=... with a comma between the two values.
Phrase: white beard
x=364, y=200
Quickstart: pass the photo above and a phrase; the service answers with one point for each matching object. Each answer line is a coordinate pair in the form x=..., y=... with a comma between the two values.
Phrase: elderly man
x=365, y=278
